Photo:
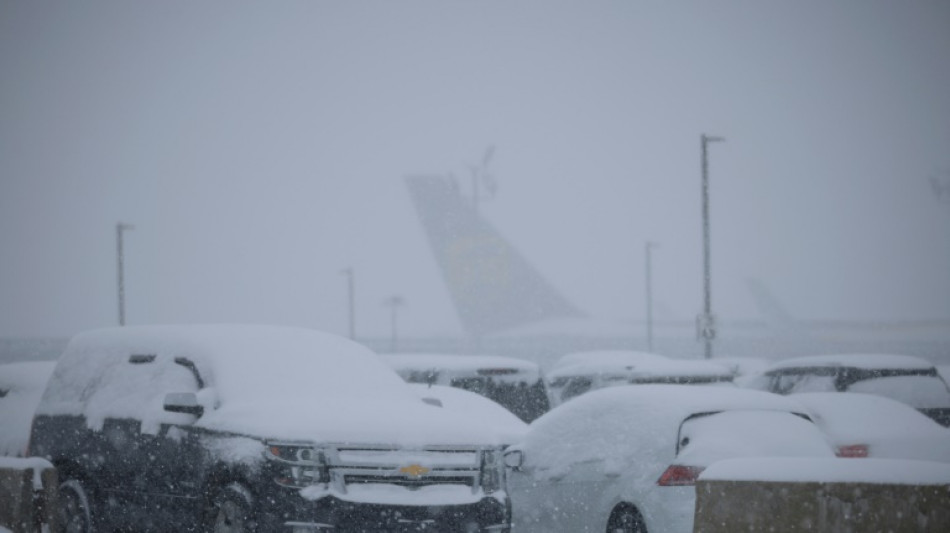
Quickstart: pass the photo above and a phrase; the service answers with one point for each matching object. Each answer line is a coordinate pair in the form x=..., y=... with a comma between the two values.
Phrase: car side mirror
x=514, y=459
x=183, y=402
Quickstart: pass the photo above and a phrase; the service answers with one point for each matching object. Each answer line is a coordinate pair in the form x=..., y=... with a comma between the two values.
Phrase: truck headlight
x=296, y=465
x=493, y=471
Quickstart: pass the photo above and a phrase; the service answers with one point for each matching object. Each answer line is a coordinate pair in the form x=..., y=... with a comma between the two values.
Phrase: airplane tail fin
x=491, y=285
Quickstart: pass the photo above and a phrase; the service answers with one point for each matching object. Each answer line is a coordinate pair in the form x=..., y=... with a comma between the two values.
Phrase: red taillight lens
x=854, y=450
x=677, y=475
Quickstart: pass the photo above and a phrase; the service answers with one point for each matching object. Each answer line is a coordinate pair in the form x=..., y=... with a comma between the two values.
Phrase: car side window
x=576, y=387
x=134, y=388
x=791, y=383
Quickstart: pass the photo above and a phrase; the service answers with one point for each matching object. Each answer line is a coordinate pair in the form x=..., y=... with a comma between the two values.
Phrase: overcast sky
x=261, y=148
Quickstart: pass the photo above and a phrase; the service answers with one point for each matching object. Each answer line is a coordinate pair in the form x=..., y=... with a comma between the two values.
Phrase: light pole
x=648, y=248
x=348, y=272
x=120, y=255
x=705, y=323
x=394, y=302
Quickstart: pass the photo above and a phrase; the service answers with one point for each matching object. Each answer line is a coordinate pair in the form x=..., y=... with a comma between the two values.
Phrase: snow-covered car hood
x=380, y=421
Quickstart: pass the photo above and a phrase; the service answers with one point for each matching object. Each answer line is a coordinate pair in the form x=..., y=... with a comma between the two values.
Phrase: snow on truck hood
x=262, y=381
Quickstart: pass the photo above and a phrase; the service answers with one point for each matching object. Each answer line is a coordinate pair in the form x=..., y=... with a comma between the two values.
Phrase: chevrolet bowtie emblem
x=414, y=470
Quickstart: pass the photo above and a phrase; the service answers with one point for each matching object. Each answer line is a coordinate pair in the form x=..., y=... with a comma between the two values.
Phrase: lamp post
x=648, y=248
x=120, y=256
x=394, y=302
x=706, y=324
x=348, y=272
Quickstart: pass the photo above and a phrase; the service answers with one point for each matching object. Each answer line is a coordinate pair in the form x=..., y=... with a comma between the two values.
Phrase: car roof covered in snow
x=607, y=357
x=634, y=364
x=455, y=361
x=464, y=365
x=863, y=361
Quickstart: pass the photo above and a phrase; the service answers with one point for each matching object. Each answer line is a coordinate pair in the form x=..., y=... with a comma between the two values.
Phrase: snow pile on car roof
x=864, y=361
x=266, y=381
x=607, y=357
x=633, y=364
x=494, y=366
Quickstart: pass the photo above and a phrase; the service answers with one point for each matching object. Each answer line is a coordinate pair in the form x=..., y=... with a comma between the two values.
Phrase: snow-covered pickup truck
x=257, y=428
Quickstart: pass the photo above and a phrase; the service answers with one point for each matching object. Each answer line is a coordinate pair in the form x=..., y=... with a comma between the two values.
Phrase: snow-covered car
x=868, y=425
x=907, y=379
x=514, y=383
x=21, y=386
x=626, y=459
x=472, y=406
x=576, y=373
x=257, y=428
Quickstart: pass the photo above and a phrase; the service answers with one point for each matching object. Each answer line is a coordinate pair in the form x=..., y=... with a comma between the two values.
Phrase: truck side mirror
x=183, y=402
x=514, y=459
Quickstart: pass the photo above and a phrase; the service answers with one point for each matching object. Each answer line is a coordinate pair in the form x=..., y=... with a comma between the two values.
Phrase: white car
x=625, y=459
x=868, y=425
x=21, y=386
x=907, y=379
x=577, y=373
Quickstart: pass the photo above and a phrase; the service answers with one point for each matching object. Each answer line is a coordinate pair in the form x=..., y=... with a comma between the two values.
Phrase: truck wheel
x=74, y=512
x=232, y=510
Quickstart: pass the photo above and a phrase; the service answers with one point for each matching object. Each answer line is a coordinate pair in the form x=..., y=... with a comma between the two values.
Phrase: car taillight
x=854, y=450
x=677, y=475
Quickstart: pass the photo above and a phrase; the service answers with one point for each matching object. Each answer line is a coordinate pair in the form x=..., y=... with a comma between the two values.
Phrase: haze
x=261, y=149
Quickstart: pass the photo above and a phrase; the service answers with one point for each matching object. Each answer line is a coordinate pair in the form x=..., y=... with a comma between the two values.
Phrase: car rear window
x=748, y=433
x=792, y=383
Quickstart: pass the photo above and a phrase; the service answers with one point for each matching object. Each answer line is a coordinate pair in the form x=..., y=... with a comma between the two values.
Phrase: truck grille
x=352, y=479
x=409, y=469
